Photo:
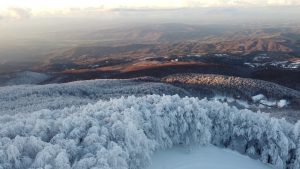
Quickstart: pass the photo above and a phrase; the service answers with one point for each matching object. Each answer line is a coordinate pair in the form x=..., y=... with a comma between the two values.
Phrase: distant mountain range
x=87, y=56
x=264, y=53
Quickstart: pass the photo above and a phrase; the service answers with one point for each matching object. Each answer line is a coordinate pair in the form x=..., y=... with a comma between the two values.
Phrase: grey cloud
x=228, y=10
x=15, y=13
x=20, y=13
x=146, y=9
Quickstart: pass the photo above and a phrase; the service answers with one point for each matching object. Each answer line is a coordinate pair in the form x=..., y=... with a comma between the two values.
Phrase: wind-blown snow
x=208, y=157
x=123, y=133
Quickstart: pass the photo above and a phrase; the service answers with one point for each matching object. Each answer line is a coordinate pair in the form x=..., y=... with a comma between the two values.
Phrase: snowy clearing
x=208, y=157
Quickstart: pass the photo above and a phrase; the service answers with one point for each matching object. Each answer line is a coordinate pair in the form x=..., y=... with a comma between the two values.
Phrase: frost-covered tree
x=123, y=133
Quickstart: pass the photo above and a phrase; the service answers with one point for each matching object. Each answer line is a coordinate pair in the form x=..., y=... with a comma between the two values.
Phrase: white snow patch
x=242, y=103
x=258, y=97
x=282, y=103
x=268, y=103
x=264, y=102
x=209, y=157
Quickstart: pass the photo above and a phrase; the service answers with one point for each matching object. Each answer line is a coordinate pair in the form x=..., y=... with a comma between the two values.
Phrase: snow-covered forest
x=29, y=98
x=123, y=133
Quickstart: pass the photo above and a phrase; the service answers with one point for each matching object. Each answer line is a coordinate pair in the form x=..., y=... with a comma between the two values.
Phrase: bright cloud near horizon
x=19, y=9
x=43, y=4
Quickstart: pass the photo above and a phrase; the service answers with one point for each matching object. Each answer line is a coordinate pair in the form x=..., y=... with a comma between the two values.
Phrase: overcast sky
x=36, y=4
x=18, y=9
x=20, y=17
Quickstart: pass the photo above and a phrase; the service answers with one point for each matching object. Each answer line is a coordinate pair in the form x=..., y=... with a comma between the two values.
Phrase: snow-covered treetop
x=123, y=133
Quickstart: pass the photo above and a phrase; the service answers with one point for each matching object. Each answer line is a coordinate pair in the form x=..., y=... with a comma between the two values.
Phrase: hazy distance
x=31, y=30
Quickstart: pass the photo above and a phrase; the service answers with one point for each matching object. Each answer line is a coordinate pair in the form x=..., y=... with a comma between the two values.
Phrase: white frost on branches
x=123, y=133
x=29, y=98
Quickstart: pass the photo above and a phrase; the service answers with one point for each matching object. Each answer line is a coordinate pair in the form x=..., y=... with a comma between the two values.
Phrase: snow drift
x=123, y=133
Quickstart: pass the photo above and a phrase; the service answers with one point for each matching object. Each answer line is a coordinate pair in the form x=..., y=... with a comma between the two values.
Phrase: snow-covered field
x=208, y=157
x=124, y=133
